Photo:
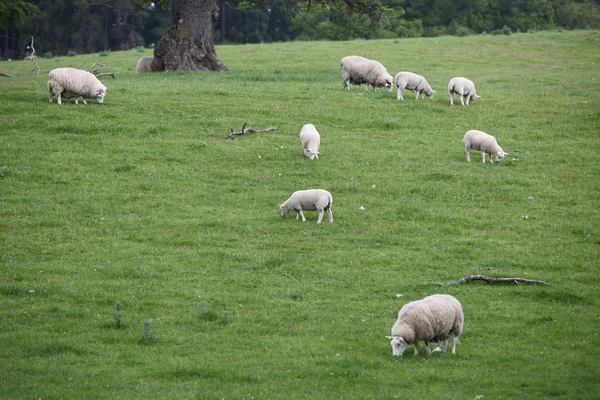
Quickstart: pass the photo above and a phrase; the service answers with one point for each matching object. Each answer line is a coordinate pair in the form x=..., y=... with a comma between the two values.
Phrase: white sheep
x=432, y=319
x=358, y=70
x=481, y=141
x=465, y=90
x=311, y=141
x=143, y=64
x=310, y=200
x=414, y=82
x=70, y=82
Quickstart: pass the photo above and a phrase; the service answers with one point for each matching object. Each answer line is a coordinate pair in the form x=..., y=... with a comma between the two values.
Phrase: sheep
x=358, y=70
x=311, y=140
x=310, y=200
x=487, y=144
x=143, y=64
x=414, y=82
x=71, y=82
x=464, y=88
x=432, y=319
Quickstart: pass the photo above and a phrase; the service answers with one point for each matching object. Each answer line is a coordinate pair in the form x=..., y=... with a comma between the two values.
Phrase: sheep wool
x=143, y=64
x=434, y=318
x=414, y=82
x=70, y=82
x=481, y=141
x=358, y=70
x=311, y=141
x=465, y=90
x=310, y=200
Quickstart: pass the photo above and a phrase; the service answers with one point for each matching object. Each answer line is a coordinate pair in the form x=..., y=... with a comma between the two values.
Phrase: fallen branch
x=244, y=130
x=289, y=276
x=106, y=74
x=6, y=75
x=94, y=67
x=491, y=280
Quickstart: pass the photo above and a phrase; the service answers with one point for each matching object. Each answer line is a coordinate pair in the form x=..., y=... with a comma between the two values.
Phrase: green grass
x=142, y=201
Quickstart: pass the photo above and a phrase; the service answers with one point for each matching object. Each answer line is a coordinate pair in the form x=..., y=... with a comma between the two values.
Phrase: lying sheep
x=432, y=319
x=309, y=200
x=70, y=82
x=311, y=140
x=143, y=64
x=487, y=144
x=465, y=90
x=414, y=82
x=358, y=70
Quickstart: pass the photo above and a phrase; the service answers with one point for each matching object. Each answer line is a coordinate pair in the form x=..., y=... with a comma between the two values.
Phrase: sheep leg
x=483, y=154
x=329, y=214
x=428, y=348
x=302, y=215
x=462, y=100
x=416, y=349
x=58, y=98
x=454, y=342
x=451, y=99
x=320, y=217
x=399, y=95
x=468, y=150
x=84, y=102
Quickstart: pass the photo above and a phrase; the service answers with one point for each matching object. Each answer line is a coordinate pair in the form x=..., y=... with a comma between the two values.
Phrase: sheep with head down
x=465, y=89
x=432, y=319
x=481, y=141
x=311, y=141
x=71, y=82
x=414, y=82
x=308, y=200
x=143, y=64
x=358, y=70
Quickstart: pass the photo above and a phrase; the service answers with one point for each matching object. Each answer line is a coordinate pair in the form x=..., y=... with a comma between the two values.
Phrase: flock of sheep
x=433, y=319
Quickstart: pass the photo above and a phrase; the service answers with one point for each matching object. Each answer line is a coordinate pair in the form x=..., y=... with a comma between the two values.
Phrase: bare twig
x=6, y=75
x=106, y=74
x=33, y=59
x=289, y=276
x=94, y=67
x=244, y=130
x=491, y=280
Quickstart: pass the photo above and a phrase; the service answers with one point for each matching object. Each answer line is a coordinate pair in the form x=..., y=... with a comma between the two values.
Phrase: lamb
x=143, y=64
x=464, y=88
x=358, y=70
x=310, y=200
x=487, y=144
x=432, y=319
x=311, y=140
x=71, y=82
x=414, y=82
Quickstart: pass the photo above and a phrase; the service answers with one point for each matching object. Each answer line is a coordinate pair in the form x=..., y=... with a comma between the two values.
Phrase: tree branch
x=491, y=280
x=33, y=59
x=244, y=130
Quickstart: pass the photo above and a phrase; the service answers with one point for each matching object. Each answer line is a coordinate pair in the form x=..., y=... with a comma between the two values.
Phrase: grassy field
x=143, y=255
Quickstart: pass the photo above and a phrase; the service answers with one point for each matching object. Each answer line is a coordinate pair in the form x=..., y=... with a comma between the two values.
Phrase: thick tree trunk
x=188, y=41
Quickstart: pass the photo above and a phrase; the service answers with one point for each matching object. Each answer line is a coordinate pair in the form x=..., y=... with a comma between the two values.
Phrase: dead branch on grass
x=245, y=130
x=491, y=280
x=33, y=59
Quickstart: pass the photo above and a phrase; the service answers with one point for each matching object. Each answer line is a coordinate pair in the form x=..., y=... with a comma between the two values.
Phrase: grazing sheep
x=311, y=140
x=143, y=64
x=465, y=90
x=487, y=144
x=70, y=82
x=432, y=319
x=310, y=200
x=358, y=70
x=414, y=82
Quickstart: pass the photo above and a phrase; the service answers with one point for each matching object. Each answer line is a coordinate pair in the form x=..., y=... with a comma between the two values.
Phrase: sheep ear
x=389, y=337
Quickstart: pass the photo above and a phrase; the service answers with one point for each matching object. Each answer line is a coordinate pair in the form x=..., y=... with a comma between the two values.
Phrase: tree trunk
x=188, y=41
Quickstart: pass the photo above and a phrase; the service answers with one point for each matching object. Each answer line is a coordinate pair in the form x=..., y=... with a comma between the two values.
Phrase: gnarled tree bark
x=188, y=41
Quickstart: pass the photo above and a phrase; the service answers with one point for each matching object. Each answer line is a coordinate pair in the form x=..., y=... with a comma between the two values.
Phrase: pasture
x=142, y=254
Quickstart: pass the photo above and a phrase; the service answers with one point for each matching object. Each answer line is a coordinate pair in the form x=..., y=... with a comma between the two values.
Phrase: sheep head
x=398, y=345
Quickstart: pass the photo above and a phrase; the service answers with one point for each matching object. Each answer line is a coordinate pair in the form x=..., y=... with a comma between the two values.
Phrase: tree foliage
x=13, y=13
x=84, y=26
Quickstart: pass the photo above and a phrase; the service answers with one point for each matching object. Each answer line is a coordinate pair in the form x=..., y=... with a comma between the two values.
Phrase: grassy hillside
x=142, y=253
